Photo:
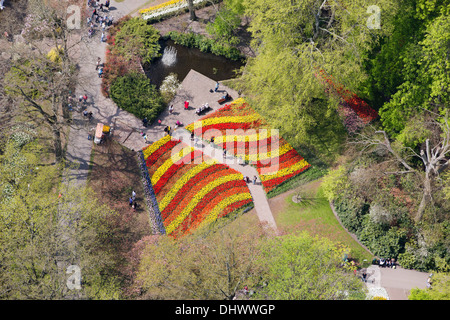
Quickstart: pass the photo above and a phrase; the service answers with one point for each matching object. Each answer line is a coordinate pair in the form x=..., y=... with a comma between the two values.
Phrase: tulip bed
x=253, y=140
x=351, y=104
x=191, y=190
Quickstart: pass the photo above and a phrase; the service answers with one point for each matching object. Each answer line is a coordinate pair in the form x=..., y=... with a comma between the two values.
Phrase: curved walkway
x=262, y=207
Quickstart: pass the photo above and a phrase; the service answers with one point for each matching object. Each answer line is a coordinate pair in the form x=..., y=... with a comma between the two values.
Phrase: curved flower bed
x=355, y=112
x=166, y=8
x=191, y=190
x=252, y=140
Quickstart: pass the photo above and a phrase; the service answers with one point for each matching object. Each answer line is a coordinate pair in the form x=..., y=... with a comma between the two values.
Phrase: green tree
x=426, y=77
x=295, y=41
x=134, y=93
x=42, y=232
x=302, y=267
x=137, y=39
x=440, y=289
x=214, y=267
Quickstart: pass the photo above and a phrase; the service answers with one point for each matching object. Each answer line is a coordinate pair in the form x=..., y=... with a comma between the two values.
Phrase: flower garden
x=190, y=189
x=354, y=111
x=166, y=8
x=239, y=130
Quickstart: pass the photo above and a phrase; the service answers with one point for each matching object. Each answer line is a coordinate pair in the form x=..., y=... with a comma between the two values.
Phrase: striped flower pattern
x=191, y=189
x=241, y=131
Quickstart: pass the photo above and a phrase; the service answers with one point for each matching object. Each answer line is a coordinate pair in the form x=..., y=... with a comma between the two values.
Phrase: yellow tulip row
x=160, y=6
x=198, y=197
x=222, y=205
x=261, y=156
x=286, y=171
x=155, y=146
x=218, y=120
x=181, y=182
x=174, y=158
x=247, y=136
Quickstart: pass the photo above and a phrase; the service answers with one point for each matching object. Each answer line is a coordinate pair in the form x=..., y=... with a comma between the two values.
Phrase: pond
x=180, y=60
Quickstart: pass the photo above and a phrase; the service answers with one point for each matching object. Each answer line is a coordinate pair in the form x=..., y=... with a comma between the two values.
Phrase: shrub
x=204, y=44
x=134, y=93
x=137, y=38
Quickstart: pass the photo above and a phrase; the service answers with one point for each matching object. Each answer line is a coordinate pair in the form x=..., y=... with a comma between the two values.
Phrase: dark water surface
x=215, y=67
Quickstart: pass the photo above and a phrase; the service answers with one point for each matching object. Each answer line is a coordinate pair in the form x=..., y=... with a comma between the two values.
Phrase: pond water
x=180, y=60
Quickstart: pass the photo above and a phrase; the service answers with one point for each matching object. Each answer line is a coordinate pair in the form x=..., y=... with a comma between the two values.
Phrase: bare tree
x=435, y=157
x=37, y=82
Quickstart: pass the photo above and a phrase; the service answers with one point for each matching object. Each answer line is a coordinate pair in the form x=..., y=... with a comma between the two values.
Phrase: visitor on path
x=254, y=179
x=90, y=115
x=102, y=39
x=177, y=123
x=130, y=201
x=98, y=63
x=145, y=138
x=94, y=13
x=159, y=121
x=85, y=113
x=192, y=136
x=217, y=86
x=212, y=142
x=107, y=4
x=224, y=153
x=133, y=195
x=171, y=109
x=100, y=72
x=145, y=122
x=85, y=98
x=186, y=105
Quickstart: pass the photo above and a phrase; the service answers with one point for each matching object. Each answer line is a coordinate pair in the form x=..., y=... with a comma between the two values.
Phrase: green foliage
x=383, y=242
x=137, y=38
x=134, y=93
x=426, y=77
x=194, y=40
x=334, y=182
x=302, y=267
x=351, y=212
x=36, y=247
x=224, y=26
x=440, y=289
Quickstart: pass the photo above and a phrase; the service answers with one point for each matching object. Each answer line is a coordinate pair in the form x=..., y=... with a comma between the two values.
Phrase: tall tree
x=302, y=267
x=192, y=15
x=215, y=267
x=295, y=40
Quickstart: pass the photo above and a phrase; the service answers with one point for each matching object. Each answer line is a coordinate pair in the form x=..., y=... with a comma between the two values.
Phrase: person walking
x=133, y=195
x=100, y=72
x=98, y=63
x=107, y=4
x=171, y=109
x=254, y=179
x=145, y=137
x=217, y=86
x=102, y=39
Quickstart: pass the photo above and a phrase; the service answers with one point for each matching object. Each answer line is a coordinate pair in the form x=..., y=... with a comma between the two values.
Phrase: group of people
x=387, y=263
x=132, y=201
x=202, y=108
x=103, y=21
x=247, y=179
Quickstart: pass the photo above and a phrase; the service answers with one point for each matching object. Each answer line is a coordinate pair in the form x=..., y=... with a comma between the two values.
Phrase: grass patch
x=316, y=217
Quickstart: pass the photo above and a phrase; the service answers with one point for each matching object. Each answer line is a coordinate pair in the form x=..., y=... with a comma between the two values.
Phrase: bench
x=222, y=100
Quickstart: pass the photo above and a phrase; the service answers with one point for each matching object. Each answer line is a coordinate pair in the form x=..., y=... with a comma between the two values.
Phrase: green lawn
x=315, y=216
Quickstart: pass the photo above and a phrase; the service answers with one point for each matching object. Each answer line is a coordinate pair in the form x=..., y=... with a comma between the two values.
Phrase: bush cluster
x=134, y=93
x=205, y=44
